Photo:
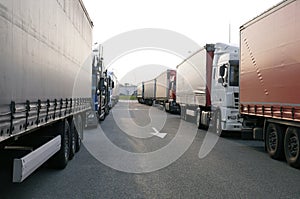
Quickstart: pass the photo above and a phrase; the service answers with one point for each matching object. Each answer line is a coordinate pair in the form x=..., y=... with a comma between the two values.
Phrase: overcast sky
x=201, y=21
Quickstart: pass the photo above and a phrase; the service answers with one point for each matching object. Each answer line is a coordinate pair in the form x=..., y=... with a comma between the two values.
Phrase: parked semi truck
x=269, y=74
x=146, y=92
x=45, y=89
x=165, y=91
x=161, y=90
x=208, y=87
x=105, y=86
x=97, y=65
x=102, y=87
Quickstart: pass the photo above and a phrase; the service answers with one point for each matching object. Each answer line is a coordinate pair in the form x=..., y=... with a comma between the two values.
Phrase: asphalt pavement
x=142, y=152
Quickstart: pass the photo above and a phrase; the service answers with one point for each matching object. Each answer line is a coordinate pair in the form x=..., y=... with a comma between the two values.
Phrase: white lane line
x=129, y=109
x=158, y=134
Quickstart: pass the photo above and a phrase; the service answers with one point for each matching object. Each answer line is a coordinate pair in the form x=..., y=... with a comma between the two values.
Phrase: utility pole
x=229, y=35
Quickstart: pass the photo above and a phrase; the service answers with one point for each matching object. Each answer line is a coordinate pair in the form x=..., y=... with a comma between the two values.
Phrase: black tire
x=292, y=147
x=274, y=141
x=61, y=158
x=106, y=109
x=217, y=123
x=72, y=138
x=79, y=132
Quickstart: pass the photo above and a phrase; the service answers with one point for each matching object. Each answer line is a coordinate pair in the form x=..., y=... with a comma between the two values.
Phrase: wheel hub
x=273, y=140
x=293, y=146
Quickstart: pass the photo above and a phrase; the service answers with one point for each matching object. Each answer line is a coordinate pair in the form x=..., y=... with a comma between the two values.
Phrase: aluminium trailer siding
x=149, y=89
x=162, y=85
x=191, y=79
x=270, y=63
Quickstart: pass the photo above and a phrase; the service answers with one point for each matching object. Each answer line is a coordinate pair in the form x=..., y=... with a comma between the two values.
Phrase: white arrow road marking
x=158, y=134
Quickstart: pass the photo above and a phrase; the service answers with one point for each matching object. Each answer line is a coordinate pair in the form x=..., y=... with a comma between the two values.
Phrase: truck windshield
x=234, y=73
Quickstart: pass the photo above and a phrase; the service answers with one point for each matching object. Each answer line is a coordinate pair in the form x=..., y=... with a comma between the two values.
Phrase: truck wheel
x=61, y=158
x=292, y=147
x=106, y=109
x=79, y=133
x=72, y=139
x=274, y=141
x=217, y=123
x=150, y=102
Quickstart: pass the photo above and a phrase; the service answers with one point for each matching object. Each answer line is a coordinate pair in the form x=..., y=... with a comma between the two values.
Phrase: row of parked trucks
x=196, y=89
x=46, y=78
x=104, y=89
x=161, y=90
x=47, y=74
x=252, y=89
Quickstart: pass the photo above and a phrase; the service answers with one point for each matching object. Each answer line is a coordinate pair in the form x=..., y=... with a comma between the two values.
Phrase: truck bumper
x=231, y=120
x=232, y=126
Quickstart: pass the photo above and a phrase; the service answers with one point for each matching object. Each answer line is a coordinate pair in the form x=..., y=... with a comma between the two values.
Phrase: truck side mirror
x=101, y=86
x=112, y=84
x=222, y=70
x=109, y=81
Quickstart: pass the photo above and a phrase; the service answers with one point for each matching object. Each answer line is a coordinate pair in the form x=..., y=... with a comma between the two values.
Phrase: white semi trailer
x=44, y=90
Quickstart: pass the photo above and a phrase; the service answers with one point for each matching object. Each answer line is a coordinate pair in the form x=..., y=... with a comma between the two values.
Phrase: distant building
x=127, y=89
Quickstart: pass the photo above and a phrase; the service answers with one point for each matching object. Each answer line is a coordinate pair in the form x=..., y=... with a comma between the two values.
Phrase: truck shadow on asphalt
x=236, y=137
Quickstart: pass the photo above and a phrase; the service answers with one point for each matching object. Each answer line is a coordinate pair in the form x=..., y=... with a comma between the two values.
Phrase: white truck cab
x=225, y=88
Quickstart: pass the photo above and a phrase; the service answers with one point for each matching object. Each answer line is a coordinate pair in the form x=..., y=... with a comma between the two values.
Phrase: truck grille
x=236, y=100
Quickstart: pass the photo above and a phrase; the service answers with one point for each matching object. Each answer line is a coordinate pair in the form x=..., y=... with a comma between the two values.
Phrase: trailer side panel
x=149, y=89
x=270, y=64
x=45, y=62
x=191, y=79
